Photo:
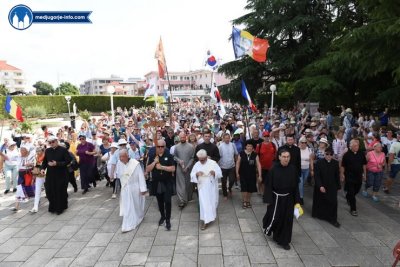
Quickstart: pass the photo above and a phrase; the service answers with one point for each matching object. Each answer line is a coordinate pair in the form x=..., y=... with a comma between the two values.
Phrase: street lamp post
x=273, y=89
x=111, y=91
x=71, y=116
x=68, y=98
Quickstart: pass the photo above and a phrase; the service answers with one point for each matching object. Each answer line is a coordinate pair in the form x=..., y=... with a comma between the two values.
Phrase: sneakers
x=6, y=192
x=354, y=212
x=375, y=198
x=114, y=196
x=364, y=193
x=33, y=210
x=14, y=190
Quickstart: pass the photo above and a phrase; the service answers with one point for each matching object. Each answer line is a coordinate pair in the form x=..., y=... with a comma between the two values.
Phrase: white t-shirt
x=395, y=149
x=305, y=158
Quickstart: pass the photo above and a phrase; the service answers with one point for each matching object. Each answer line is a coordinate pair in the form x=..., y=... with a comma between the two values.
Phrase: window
x=201, y=76
x=5, y=73
x=18, y=74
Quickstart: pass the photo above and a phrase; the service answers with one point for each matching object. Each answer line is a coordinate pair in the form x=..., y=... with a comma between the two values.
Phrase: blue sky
x=121, y=40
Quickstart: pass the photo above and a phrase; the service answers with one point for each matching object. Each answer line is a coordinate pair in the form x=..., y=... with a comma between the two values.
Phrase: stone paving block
x=280, y=253
x=22, y=253
x=88, y=256
x=59, y=262
x=110, y=227
x=248, y=225
x=233, y=247
x=147, y=229
x=84, y=235
x=304, y=245
x=228, y=218
x=384, y=254
x=40, y=258
x=12, y=244
x=260, y=254
x=351, y=245
x=233, y=261
x=188, y=228
x=58, y=243
x=290, y=262
x=93, y=223
x=209, y=240
x=71, y=249
x=367, y=239
x=187, y=244
x=254, y=239
x=230, y=231
x=29, y=231
x=159, y=259
x=184, y=260
x=134, y=259
x=162, y=251
x=100, y=240
x=210, y=261
x=114, y=252
x=66, y=232
x=107, y=264
x=3, y=256
x=210, y=250
x=367, y=260
x=124, y=237
x=322, y=239
x=54, y=226
x=310, y=225
x=164, y=238
x=190, y=217
x=141, y=244
x=339, y=257
x=79, y=220
x=11, y=264
x=158, y=264
x=8, y=233
x=315, y=260
x=39, y=238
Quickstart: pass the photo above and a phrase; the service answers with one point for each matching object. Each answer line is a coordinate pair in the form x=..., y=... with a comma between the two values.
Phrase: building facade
x=186, y=85
x=98, y=86
x=12, y=77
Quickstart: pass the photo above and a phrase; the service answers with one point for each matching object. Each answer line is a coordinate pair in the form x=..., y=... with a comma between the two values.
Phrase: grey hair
x=123, y=151
x=353, y=142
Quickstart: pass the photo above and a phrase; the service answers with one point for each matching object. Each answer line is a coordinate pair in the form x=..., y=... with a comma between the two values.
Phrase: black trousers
x=164, y=205
x=227, y=174
x=352, y=190
x=72, y=180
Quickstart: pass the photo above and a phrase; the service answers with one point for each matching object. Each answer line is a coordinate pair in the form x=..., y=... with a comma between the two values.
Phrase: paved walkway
x=89, y=234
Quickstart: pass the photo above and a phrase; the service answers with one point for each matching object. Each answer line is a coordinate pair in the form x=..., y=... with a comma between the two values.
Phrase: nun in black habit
x=327, y=183
x=281, y=194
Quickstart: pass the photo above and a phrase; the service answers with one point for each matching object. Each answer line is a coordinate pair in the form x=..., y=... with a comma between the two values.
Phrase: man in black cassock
x=281, y=194
x=56, y=160
x=327, y=183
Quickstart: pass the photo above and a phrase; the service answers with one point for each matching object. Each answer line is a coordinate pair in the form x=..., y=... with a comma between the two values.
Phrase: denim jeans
x=374, y=179
x=303, y=178
x=11, y=174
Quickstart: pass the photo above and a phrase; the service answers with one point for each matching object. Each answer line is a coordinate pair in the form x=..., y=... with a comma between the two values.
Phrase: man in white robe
x=205, y=174
x=133, y=190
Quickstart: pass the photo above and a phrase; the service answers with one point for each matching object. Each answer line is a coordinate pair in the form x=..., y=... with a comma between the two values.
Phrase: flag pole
x=212, y=79
x=170, y=95
x=247, y=122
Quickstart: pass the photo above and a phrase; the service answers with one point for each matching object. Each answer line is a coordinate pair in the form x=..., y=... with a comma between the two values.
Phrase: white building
x=98, y=86
x=12, y=77
x=188, y=84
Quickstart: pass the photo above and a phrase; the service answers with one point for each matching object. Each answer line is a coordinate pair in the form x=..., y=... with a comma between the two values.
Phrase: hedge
x=95, y=103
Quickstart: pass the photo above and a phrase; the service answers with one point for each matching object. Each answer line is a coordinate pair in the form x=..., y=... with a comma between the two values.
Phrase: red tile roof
x=5, y=66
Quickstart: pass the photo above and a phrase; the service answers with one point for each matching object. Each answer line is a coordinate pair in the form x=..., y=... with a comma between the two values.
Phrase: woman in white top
x=307, y=165
x=11, y=155
x=339, y=146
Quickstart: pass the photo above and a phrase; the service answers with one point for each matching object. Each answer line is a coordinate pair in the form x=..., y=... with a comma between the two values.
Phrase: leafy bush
x=35, y=112
x=85, y=115
x=26, y=127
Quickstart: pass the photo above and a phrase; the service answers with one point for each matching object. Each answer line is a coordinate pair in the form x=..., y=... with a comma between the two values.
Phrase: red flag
x=159, y=55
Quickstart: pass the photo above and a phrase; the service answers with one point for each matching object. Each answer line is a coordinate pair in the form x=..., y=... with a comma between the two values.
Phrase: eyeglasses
x=160, y=146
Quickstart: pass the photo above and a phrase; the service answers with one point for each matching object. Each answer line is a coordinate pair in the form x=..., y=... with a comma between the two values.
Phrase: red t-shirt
x=266, y=153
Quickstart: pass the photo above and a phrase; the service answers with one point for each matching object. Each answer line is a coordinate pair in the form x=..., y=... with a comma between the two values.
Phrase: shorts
x=394, y=169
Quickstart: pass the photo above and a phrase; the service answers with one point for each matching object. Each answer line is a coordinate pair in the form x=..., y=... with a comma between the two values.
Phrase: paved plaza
x=89, y=234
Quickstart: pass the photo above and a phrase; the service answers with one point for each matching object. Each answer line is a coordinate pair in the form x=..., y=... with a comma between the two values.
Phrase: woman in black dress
x=248, y=168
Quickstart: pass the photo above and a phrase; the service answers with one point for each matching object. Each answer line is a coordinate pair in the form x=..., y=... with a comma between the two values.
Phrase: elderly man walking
x=205, y=174
x=183, y=155
x=133, y=189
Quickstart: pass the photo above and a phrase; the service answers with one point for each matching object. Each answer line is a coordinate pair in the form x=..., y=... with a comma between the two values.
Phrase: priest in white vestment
x=205, y=174
x=133, y=190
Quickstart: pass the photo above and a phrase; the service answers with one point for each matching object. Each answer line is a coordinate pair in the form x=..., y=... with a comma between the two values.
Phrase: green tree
x=43, y=88
x=67, y=88
x=3, y=90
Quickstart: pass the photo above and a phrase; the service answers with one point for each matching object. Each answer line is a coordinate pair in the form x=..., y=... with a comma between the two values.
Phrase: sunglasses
x=51, y=142
x=160, y=146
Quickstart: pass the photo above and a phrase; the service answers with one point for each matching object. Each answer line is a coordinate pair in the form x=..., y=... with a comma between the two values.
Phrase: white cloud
x=122, y=38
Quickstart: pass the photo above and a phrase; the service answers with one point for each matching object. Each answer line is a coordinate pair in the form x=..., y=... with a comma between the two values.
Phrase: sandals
x=246, y=205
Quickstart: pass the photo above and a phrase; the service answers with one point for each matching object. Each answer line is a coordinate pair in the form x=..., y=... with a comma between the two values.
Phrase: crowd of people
x=144, y=152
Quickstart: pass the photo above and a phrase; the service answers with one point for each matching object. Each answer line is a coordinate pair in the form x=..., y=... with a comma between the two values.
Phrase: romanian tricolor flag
x=246, y=96
x=160, y=56
x=13, y=109
x=245, y=43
